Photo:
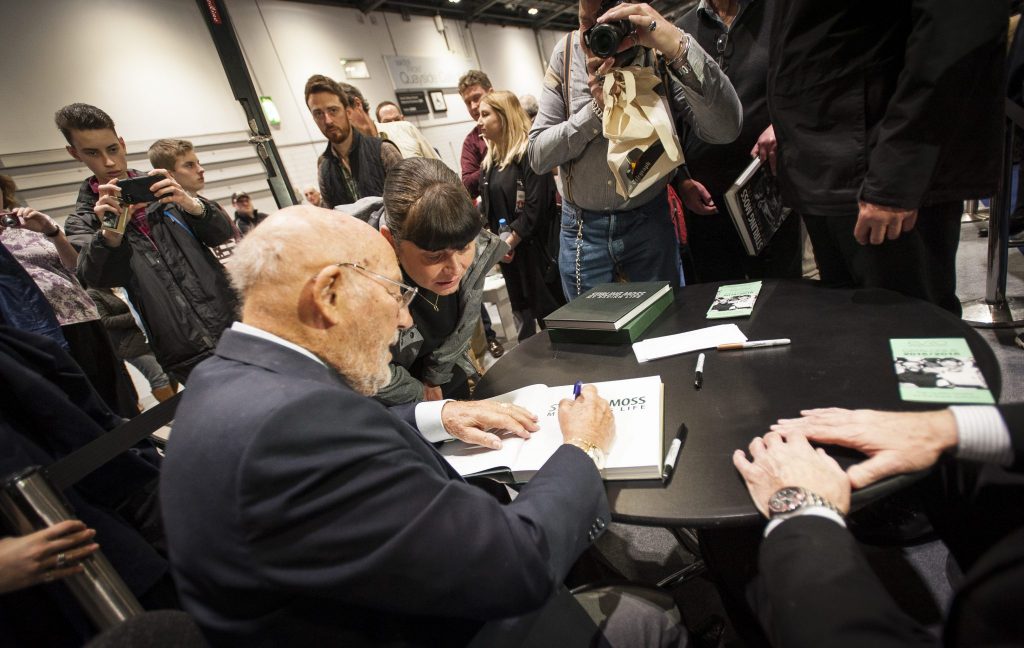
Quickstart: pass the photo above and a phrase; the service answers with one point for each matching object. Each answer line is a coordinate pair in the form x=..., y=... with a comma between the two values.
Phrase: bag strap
x=566, y=102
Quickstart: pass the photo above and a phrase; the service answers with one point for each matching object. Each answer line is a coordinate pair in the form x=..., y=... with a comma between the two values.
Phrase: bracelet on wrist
x=680, y=52
x=55, y=233
x=598, y=110
x=594, y=451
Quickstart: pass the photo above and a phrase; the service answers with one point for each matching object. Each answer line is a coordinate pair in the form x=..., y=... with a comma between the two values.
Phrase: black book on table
x=755, y=205
x=608, y=307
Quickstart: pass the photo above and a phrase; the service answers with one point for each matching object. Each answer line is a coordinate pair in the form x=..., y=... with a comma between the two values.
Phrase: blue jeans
x=635, y=245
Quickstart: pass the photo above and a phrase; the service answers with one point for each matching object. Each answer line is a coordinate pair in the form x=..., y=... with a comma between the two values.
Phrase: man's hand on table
x=477, y=421
x=895, y=442
x=781, y=461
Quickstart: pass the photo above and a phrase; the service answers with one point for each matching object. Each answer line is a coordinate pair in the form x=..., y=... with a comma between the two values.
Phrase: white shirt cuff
x=428, y=421
x=982, y=435
x=820, y=511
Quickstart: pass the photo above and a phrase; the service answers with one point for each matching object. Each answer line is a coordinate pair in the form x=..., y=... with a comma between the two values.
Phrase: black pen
x=698, y=374
x=577, y=389
x=673, y=453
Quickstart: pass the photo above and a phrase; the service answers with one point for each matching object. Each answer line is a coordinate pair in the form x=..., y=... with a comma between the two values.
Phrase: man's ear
x=386, y=233
x=120, y=140
x=73, y=153
x=326, y=296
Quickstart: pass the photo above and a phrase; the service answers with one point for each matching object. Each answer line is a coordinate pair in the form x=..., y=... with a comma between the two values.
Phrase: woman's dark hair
x=8, y=187
x=426, y=204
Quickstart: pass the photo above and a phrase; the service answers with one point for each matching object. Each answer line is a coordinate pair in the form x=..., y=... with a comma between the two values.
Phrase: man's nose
x=404, y=318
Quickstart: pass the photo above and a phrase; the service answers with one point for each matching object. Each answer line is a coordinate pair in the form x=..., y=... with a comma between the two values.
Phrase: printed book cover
x=938, y=370
x=755, y=205
x=735, y=300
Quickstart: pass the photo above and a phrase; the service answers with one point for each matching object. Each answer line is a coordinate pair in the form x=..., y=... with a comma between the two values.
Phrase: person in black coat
x=50, y=410
x=815, y=588
x=888, y=116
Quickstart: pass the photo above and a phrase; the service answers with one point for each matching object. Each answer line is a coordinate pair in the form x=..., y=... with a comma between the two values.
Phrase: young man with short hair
x=162, y=258
x=473, y=87
x=353, y=164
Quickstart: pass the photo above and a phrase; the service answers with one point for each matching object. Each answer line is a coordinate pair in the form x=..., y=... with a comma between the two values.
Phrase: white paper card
x=703, y=338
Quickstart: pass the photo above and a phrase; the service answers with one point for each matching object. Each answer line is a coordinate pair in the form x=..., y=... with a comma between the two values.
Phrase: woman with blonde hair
x=526, y=201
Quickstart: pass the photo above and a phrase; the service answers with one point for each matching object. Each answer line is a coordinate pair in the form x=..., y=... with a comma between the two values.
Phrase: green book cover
x=735, y=300
x=628, y=334
x=607, y=307
x=938, y=370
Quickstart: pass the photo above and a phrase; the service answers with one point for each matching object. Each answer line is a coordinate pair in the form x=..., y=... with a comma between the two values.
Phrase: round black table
x=840, y=356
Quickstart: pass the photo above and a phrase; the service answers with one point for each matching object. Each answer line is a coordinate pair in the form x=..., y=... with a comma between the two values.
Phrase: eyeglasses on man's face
x=406, y=293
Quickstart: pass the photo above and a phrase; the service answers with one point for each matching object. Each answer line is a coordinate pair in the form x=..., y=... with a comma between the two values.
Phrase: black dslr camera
x=604, y=39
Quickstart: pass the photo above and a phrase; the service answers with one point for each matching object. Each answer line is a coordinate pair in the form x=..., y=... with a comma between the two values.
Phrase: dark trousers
x=719, y=255
x=920, y=263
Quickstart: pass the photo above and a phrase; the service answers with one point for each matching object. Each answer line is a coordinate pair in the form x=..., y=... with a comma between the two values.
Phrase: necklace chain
x=433, y=304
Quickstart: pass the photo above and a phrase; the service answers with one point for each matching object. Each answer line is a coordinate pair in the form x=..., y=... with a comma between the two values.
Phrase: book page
x=637, y=447
x=468, y=459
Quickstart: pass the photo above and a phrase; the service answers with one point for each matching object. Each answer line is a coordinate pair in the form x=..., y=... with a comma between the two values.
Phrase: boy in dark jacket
x=162, y=259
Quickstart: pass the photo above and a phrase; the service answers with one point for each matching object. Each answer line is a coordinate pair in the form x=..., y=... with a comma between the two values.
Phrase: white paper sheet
x=703, y=338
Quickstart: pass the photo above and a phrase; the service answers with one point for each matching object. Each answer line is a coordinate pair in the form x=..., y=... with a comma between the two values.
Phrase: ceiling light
x=533, y=11
x=454, y=1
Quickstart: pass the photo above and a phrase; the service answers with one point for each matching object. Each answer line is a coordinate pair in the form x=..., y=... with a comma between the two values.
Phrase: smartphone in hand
x=136, y=190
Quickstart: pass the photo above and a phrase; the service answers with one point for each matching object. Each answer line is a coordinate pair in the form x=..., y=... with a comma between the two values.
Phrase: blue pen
x=576, y=389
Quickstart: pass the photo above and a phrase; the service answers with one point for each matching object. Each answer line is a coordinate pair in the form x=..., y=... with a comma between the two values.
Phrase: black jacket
x=895, y=102
x=124, y=333
x=815, y=588
x=316, y=516
x=246, y=224
x=178, y=287
x=367, y=168
x=745, y=62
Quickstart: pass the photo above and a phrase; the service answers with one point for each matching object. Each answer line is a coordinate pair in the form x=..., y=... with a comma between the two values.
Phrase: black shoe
x=495, y=348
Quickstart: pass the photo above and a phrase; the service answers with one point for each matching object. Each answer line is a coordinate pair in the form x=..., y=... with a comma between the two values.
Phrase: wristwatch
x=793, y=498
x=593, y=451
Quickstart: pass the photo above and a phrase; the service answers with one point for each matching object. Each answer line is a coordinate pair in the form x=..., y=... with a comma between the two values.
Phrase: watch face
x=786, y=499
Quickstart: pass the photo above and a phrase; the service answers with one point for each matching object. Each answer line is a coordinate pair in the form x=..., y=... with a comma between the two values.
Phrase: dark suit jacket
x=815, y=587
x=301, y=513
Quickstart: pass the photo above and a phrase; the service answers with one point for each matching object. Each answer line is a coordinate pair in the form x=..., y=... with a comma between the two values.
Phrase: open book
x=636, y=452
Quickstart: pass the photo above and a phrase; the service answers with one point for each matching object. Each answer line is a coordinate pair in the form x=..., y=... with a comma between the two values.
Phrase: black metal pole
x=224, y=38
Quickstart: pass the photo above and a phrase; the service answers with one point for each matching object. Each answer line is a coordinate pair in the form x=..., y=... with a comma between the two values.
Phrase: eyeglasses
x=406, y=293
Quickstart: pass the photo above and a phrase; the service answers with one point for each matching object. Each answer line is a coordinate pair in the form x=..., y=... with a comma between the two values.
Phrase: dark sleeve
x=470, y=163
x=815, y=588
x=409, y=540
x=540, y=198
x=212, y=227
x=112, y=316
x=1013, y=414
x=98, y=263
x=949, y=56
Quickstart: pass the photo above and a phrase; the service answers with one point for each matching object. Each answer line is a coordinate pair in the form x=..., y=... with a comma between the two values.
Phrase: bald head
x=287, y=273
x=296, y=243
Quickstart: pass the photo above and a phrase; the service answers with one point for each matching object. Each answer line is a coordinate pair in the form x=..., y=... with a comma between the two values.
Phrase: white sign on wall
x=422, y=72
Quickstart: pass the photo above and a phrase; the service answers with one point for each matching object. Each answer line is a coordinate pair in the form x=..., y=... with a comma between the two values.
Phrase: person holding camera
x=155, y=244
x=604, y=235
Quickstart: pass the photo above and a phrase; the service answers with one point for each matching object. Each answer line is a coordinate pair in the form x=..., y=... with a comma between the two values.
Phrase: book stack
x=612, y=313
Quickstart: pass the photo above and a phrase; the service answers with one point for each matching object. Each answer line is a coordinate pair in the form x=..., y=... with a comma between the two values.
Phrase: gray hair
x=529, y=104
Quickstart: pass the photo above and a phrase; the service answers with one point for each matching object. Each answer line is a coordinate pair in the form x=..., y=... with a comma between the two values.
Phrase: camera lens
x=604, y=39
x=10, y=220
